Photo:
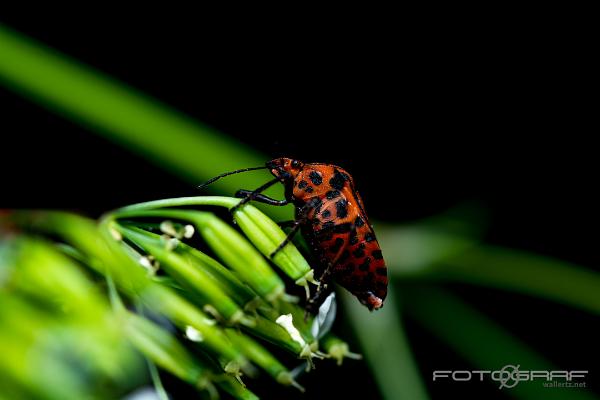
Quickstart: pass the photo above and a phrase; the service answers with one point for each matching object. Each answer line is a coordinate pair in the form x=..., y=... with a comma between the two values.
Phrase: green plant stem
x=191, y=276
x=431, y=251
x=527, y=273
x=220, y=201
x=110, y=259
x=275, y=334
x=386, y=349
x=264, y=233
x=156, y=381
x=228, y=244
x=422, y=253
x=260, y=356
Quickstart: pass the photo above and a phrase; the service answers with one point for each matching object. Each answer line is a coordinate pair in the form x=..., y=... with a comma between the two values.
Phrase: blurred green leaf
x=387, y=349
x=527, y=273
x=479, y=340
x=168, y=138
x=429, y=252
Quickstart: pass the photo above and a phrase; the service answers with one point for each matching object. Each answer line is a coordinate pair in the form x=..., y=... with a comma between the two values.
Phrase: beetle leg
x=325, y=287
x=288, y=238
x=253, y=194
x=261, y=198
x=302, y=217
x=286, y=224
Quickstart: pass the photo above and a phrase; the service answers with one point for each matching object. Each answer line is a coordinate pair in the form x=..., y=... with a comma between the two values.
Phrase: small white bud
x=188, y=231
x=170, y=243
x=167, y=227
x=193, y=334
x=287, y=322
x=149, y=263
x=145, y=262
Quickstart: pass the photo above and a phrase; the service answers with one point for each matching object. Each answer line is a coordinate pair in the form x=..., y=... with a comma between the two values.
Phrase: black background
x=425, y=117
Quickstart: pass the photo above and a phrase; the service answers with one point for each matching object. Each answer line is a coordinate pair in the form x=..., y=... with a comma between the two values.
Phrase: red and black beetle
x=331, y=215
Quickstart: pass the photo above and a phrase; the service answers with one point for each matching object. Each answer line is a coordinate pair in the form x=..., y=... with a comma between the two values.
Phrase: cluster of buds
x=179, y=279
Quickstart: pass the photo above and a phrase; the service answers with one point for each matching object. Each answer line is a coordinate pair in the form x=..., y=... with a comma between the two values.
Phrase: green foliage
x=53, y=275
x=53, y=323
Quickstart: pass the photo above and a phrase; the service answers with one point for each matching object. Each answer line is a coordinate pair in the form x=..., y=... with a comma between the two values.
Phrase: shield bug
x=332, y=218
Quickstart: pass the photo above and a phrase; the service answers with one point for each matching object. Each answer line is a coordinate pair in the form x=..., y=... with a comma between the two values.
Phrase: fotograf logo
x=509, y=376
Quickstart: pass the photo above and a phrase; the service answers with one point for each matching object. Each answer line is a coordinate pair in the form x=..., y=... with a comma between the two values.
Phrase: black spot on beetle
x=369, y=237
x=353, y=237
x=358, y=253
x=342, y=228
x=365, y=265
x=377, y=254
x=326, y=214
x=308, y=189
x=341, y=208
x=338, y=180
x=332, y=194
x=302, y=184
x=315, y=178
x=370, y=279
x=359, y=222
x=381, y=285
x=381, y=271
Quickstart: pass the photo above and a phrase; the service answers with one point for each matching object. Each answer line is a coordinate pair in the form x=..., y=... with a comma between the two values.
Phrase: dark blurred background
x=424, y=118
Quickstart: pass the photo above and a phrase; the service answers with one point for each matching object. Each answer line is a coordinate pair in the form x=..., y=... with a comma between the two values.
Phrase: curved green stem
x=220, y=201
x=425, y=253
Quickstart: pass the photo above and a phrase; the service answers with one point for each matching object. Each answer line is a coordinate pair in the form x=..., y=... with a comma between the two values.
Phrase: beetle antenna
x=216, y=178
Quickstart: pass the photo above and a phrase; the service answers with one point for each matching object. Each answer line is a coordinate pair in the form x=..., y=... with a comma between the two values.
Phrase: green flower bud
x=337, y=349
x=164, y=350
x=262, y=357
x=231, y=247
x=187, y=273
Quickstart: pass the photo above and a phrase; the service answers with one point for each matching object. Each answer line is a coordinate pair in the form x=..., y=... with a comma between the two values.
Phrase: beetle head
x=285, y=169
